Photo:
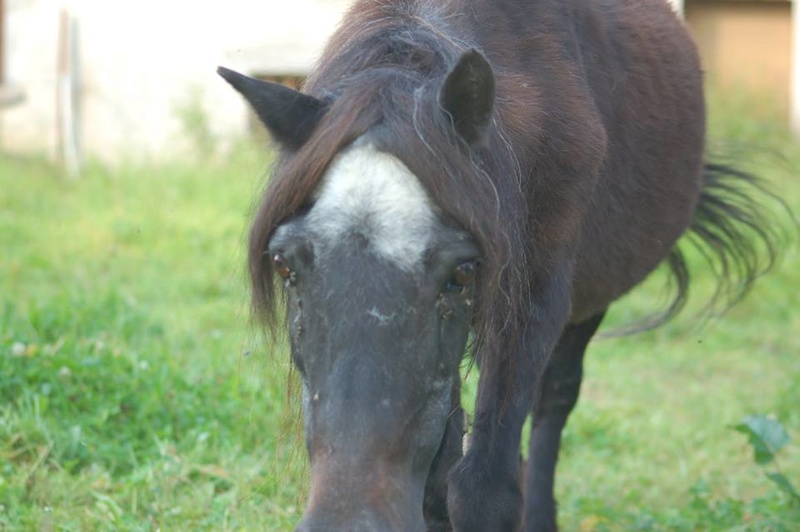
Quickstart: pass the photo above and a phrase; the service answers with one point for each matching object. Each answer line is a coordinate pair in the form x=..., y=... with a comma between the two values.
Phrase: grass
x=135, y=395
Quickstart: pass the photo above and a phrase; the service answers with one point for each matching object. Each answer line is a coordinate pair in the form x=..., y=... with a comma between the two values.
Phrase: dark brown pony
x=506, y=167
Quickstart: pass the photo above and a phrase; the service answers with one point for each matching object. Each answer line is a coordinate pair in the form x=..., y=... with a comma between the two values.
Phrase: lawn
x=136, y=395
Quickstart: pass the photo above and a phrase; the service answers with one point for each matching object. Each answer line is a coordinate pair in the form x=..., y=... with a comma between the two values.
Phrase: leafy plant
x=767, y=437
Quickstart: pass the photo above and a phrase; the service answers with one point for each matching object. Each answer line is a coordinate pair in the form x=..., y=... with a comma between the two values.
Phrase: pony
x=476, y=178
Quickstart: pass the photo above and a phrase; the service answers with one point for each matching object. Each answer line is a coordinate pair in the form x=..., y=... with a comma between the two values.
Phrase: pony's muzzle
x=365, y=497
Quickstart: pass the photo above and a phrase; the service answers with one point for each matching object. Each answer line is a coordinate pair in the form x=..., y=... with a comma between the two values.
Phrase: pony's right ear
x=467, y=96
x=290, y=116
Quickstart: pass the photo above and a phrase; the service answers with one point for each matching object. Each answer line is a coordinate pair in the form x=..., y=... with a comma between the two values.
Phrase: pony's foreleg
x=484, y=490
x=450, y=451
x=559, y=394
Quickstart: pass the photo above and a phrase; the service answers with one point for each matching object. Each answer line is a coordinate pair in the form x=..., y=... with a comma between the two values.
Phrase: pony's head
x=379, y=279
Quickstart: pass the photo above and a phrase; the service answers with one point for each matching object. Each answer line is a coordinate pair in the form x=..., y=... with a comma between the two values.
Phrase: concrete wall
x=147, y=63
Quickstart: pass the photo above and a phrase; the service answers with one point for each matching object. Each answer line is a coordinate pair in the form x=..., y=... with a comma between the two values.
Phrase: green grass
x=135, y=395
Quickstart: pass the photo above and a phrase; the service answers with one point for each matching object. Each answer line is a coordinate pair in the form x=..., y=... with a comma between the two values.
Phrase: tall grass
x=134, y=393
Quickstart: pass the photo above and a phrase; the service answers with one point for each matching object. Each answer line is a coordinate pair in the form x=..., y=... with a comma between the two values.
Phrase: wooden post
x=794, y=95
x=9, y=94
x=2, y=43
x=68, y=95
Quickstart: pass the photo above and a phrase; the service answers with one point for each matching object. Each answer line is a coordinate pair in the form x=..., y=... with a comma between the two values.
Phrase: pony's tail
x=735, y=232
x=738, y=232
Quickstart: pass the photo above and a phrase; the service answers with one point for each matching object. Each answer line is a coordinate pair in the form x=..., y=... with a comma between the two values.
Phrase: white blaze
x=374, y=194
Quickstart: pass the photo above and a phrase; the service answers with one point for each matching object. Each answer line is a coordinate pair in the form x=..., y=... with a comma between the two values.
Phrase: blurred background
x=136, y=394
x=122, y=80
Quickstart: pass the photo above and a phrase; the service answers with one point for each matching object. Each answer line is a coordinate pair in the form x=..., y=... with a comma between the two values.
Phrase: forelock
x=373, y=195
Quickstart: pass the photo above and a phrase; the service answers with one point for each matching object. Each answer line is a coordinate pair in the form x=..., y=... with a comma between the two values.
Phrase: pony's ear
x=290, y=116
x=467, y=95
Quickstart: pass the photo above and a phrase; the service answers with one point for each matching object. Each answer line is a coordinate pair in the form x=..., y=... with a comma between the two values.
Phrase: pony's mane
x=380, y=76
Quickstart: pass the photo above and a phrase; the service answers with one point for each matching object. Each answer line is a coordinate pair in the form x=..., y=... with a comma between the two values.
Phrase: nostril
x=383, y=497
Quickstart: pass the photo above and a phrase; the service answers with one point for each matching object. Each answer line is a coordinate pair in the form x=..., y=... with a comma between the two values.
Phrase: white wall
x=144, y=60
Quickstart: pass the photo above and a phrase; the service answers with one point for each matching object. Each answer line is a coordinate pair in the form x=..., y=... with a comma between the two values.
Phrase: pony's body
x=602, y=105
x=557, y=143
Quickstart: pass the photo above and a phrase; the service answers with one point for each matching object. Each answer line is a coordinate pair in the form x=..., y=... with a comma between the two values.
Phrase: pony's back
x=601, y=103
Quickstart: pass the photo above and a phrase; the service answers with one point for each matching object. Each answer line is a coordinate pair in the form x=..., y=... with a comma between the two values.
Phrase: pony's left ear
x=289, y=115
x=467, y=95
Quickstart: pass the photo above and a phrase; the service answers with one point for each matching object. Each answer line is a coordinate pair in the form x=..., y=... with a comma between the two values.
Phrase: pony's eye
x=281, y=266
x=463, y=275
